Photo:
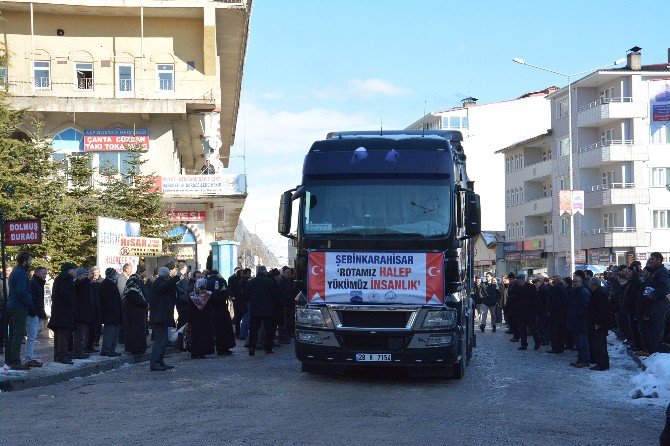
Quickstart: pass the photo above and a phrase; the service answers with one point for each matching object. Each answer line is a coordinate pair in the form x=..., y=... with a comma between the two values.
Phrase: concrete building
x=621, y=159
x=99, y=75
x=487, y=128
x=489, y=253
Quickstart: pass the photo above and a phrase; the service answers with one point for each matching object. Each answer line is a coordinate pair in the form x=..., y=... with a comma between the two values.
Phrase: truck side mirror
x=472, y=214
x=285, y=207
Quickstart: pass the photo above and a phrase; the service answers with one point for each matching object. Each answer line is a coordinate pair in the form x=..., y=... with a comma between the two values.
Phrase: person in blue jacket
x=19, y=307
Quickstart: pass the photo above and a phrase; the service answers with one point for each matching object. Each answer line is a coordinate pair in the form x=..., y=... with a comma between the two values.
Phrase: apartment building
x=621, y=159
x=100, y=75
x=487, y=128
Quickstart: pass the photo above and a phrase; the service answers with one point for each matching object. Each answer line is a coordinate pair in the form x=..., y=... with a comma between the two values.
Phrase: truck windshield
x=378, y=207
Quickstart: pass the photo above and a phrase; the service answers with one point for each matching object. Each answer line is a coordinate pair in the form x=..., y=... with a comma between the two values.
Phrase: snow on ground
x=655, y=381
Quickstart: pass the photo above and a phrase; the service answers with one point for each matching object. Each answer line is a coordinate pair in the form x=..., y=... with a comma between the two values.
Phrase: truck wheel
x=459, y=369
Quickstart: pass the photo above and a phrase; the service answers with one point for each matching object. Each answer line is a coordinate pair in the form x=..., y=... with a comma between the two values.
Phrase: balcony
x=48, y=94
x=534, y=171
x=612, y=152
x=538, y=206
x=603, y=111
x=614, y=237
x=615, y=193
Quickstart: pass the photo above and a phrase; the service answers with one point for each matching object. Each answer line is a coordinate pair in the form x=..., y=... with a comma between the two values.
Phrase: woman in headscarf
x=135, y=315
x=201, y=321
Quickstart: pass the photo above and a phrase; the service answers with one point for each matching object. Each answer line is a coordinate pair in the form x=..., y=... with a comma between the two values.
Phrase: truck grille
x=374, y=319
x=358, y=343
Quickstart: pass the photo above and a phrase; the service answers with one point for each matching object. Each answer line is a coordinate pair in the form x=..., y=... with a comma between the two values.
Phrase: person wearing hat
x=83, y=312
x=62, y=311
x=110, y=313
x=527, y=313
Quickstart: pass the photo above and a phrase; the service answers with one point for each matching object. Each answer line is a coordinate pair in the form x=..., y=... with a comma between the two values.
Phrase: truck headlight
x=444, y=318
x=312, y=317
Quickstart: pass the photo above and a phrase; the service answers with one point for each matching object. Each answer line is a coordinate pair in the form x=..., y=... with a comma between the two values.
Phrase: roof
x=653, y=67
x=492, y=237
x=529, y=94
x=526, y=142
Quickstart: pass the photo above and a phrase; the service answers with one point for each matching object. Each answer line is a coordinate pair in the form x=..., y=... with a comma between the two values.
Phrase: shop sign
x=580, y=257
x=599, y=256
x=116, y=140
x=512, y=246
x=186, y=252
x=110, y=232
x=23, y=232
x=199, y=185
x=537, y=254
x=533, y=245
x=141, y=246
x=515, y=255
x=186, y=216
x=641, y=256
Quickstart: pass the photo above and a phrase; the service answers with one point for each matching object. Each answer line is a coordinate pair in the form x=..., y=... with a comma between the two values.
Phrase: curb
x=14, y=384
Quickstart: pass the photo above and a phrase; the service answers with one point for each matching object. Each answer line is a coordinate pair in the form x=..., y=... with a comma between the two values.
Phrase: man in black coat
x=541, y=308
x=223, y=323
x=577, y=320
x=264, y=304
x=83, y=312
x=287, y=290
x=512, y=306
x=658, y=285
x=557, y=309
x=110, y=313
x=527, y=308
x=162, y=301
x=599, y=322
x=62, y=311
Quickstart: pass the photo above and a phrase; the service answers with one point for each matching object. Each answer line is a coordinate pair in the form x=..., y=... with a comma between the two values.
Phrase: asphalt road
x=507, y=397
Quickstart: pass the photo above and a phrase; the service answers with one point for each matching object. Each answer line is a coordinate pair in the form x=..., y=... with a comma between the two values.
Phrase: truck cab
x=383, y=252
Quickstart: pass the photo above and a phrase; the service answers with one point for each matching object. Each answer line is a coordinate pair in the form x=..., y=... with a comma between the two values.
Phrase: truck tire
x=459, y=369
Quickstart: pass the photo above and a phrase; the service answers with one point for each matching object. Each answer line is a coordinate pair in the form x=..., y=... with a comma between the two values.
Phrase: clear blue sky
x=316, y=66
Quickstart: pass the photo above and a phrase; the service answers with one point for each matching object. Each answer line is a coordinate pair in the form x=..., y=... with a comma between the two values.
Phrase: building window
x=521, y=195
x=66, y=142
x=508, y=165
x=607, y=178
x=507, y=197
x=42, y=74
x=606, y=137
x=564, y=146
x=3, y=75
x=115, y=161
x=606, y=95
x=660, y=134
x=516, y=230
x=125, y=78
x=562, y=108
x=464, y=122
x=83, y=73
x=522, y=231
x=521, y=161
x=609, y=220
x=661, y=219
x=660, y=176
x=563, y=183
x=455, y=122
x=565, y=225
x=165, y=77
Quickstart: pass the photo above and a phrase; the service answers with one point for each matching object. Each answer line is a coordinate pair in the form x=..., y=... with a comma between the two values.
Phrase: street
x=508, y=397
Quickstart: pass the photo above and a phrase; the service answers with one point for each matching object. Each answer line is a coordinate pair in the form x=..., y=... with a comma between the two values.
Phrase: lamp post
x=569, y=78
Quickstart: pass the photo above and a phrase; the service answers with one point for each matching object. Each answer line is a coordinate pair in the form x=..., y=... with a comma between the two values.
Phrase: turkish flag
x=316, y=277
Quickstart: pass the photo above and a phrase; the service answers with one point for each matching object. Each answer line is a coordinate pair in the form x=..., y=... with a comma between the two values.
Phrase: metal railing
x=69, y=87
x=610, y=230
x=603, y=187
x=604, y=101
x=599, y=144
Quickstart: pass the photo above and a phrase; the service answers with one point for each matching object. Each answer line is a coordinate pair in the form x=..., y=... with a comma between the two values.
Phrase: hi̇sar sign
x=23, y=232
x=116, y=140
x=376, y=278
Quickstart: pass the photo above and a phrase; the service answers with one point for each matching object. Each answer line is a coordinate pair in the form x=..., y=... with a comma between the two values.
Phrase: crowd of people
x=576, y=313
x=94, y=314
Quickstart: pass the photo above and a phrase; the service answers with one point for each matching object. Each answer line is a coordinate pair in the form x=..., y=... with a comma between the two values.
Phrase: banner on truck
x=415, y=278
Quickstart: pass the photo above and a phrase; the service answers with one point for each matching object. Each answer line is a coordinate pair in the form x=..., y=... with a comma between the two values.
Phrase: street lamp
x=570, y=172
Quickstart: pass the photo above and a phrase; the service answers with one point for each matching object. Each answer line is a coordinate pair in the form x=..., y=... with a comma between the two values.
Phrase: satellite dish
x=214, y=143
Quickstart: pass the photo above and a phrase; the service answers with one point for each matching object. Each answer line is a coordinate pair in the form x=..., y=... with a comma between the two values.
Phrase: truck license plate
x=373, y=357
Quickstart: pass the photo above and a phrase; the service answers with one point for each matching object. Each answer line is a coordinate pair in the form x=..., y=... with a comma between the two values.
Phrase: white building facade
x=487, y=128
x=621, y=159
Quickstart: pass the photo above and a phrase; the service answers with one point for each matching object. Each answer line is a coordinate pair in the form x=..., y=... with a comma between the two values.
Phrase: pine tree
x=132, y=195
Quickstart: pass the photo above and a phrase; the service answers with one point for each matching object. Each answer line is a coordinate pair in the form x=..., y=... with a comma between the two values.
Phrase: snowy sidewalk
x=53, y=372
